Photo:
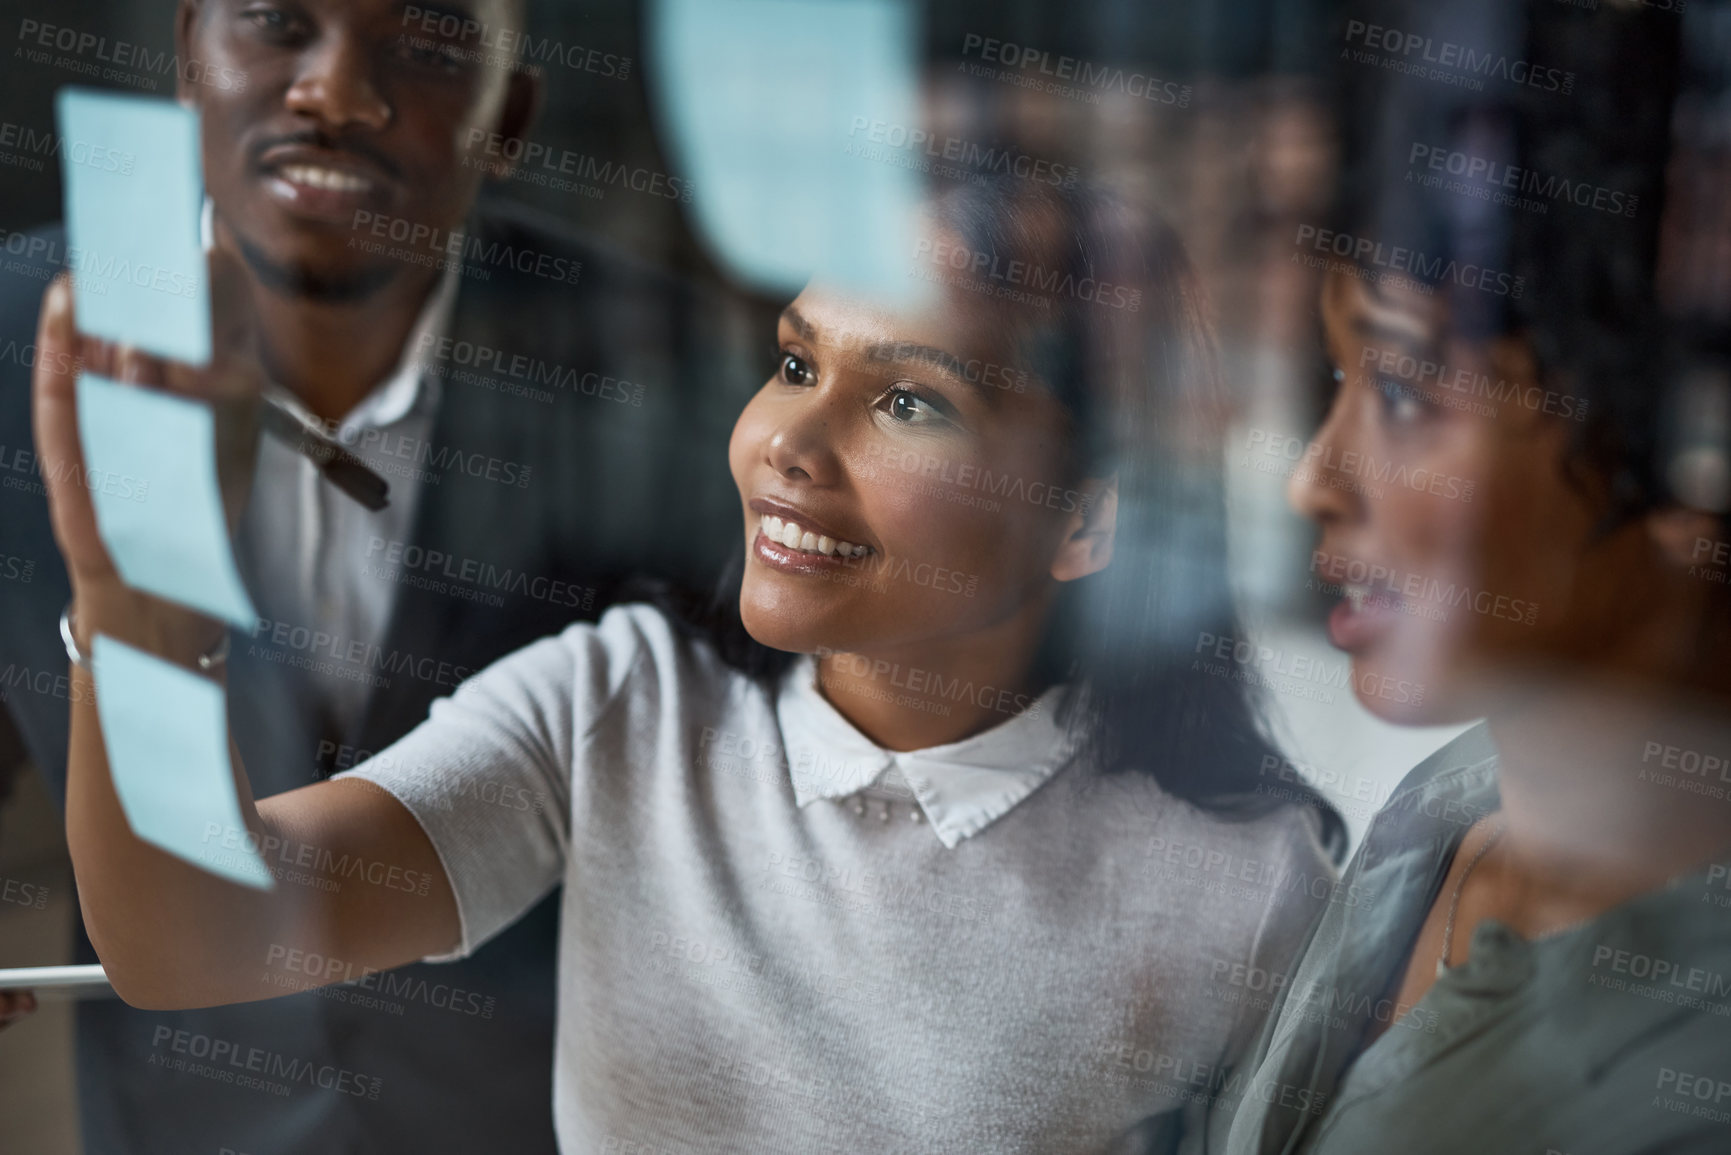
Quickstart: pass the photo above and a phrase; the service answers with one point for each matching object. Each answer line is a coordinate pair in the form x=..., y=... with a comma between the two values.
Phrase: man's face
x=325, y=120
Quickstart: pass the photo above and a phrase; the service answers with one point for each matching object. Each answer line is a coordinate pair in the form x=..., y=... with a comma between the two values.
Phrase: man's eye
x=794, y=370
x=271, y=21
x=418, y=50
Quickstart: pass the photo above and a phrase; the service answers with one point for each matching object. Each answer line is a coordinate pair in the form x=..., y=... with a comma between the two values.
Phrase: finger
x=54, y=419
x=136, y=367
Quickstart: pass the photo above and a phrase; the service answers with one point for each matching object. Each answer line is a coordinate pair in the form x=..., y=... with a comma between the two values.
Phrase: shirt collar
x=962, y=787
x=393, y=398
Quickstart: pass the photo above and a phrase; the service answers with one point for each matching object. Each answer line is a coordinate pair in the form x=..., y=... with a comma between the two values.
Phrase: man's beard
x=300, y=281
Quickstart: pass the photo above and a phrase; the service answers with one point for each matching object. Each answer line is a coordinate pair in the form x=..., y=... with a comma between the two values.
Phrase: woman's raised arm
x=169, y=933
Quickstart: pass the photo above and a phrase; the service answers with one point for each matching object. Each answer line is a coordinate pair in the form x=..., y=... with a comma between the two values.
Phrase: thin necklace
x=1442, y=962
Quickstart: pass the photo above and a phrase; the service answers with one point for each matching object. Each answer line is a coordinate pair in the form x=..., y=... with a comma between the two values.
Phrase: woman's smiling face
x=920, y=441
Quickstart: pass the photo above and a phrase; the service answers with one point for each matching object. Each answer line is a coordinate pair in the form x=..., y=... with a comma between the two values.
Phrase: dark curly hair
x=1590, y=145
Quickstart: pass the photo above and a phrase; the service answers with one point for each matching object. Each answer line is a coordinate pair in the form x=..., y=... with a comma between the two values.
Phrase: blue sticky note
x=166, y=731
x=134, y=194
x=150, y=461
x=769, y=106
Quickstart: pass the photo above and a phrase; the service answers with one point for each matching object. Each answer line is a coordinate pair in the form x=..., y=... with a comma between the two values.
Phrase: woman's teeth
x=789, y=534
x=315, y=176
x=1357, y=595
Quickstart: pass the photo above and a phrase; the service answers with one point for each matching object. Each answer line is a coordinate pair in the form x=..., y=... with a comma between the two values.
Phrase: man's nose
x=336, y=85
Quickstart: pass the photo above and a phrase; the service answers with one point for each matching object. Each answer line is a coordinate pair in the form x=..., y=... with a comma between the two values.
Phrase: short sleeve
x=488, y=773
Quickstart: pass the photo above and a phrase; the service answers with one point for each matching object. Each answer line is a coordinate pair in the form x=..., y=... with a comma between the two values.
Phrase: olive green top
x=1613, y=1036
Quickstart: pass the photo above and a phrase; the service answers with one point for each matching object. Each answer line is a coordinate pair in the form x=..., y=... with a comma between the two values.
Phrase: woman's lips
x=780, y=557
x=1361, y=617
x=787, y=546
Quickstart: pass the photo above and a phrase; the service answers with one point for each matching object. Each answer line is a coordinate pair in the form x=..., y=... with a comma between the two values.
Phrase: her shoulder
x=1283, y=836
x=637, y=651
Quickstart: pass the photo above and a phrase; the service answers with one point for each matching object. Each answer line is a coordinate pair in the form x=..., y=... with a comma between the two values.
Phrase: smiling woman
x=939, y=749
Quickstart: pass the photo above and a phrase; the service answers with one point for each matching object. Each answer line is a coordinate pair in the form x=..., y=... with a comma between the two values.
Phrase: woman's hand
x=232, y=384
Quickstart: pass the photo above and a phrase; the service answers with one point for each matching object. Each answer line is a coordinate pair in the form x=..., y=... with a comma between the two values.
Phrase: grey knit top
x=739, y=973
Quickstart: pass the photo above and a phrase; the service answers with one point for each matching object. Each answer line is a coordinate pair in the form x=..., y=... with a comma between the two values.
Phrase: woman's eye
x=794, y=370
x=1403, y=404
x=909, y=408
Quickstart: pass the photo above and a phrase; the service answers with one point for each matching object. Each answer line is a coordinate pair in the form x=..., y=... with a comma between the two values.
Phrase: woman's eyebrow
x=909, y=351
x=1379, y=334
x=796, y=320
x=904, y=352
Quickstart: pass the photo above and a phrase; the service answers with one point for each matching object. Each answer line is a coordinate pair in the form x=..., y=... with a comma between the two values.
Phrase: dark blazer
x=627, y=475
